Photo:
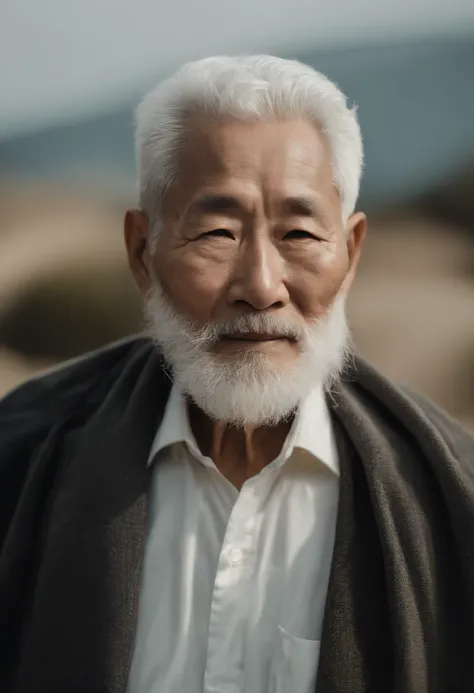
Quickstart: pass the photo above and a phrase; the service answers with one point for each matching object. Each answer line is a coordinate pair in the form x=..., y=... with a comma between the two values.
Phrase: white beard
x=248, y=389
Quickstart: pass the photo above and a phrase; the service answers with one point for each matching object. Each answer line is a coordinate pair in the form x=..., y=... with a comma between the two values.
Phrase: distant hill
x=416, y=106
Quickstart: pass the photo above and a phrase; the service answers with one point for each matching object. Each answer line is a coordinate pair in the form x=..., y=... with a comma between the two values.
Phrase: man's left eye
x=299, y=233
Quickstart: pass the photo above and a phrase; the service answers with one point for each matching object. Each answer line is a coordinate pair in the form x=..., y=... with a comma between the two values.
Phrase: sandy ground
x=65, y=287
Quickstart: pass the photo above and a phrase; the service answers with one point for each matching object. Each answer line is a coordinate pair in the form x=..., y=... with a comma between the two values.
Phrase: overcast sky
x=64, y=58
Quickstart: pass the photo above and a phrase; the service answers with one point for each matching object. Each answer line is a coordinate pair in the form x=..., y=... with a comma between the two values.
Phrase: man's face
x=252, y=241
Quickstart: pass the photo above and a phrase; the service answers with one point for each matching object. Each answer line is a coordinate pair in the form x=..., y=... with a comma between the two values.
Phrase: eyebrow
x=216, y=204
x=297, y=205
x=303, y=206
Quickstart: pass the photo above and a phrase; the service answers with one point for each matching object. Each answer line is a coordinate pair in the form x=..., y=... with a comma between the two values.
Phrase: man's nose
x=259, y=277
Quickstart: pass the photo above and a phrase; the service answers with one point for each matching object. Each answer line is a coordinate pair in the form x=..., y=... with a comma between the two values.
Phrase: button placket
x=234, y=571
x=235, y=556
x=240, y=534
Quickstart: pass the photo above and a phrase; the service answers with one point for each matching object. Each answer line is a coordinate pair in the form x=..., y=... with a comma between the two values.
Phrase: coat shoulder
x=37, y=415
x=52, y=397
x=415, y=411
x=460, y=441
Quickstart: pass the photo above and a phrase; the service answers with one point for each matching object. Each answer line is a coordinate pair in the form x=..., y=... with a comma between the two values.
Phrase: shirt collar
x=311, y=430
x=174, y=427
x=314, y=430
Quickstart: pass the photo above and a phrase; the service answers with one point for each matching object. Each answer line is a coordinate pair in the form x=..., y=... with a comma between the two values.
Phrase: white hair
x=245, y=88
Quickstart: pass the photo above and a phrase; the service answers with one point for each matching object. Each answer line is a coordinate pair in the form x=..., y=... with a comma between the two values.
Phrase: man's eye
x=299, y=233
x=224, y=233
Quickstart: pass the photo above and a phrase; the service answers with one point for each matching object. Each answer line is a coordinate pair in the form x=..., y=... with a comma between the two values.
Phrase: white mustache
x=257, y=323
x=242, y=390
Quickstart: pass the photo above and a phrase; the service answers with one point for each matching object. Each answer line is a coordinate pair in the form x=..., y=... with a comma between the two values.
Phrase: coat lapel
x=85, y=604
x=356, y=645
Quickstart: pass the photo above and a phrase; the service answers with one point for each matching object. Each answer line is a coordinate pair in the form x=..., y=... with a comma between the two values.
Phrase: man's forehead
x=231, y=144
x=289, y=157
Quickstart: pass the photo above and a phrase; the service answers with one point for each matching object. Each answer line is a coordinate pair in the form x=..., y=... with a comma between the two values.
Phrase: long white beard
x=247, y=388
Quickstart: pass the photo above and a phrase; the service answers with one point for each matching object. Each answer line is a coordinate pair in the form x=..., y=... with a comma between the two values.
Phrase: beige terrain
x=65, y=289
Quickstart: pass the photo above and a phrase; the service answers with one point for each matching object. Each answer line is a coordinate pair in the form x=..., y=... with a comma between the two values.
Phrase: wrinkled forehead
x=284, y=157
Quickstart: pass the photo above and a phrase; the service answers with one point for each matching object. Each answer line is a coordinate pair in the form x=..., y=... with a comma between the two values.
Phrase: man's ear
x=355, y=233
x=136, y=234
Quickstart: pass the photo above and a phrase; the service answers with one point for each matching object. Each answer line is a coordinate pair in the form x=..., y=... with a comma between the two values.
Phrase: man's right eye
x=224, y=233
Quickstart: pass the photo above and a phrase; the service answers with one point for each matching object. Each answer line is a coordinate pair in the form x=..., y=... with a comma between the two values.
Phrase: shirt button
x=235, y=556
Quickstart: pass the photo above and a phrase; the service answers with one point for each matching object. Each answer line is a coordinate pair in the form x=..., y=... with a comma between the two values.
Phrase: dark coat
x=74, y=444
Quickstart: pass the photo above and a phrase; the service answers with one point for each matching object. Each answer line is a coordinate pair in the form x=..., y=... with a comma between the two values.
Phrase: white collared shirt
x=234, y=583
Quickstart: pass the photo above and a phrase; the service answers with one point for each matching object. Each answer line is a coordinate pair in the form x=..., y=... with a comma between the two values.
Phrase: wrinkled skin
x=253, y=223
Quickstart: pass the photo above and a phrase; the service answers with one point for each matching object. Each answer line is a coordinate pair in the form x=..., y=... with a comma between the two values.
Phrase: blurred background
x=70, y=76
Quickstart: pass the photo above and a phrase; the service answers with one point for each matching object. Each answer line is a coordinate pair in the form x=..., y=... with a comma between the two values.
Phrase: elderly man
x=236, y=502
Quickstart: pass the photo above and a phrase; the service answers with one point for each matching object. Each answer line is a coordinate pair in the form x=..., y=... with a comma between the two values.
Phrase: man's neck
x=238, y=453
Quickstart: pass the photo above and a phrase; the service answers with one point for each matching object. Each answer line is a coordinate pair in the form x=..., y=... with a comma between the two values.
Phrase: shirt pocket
x=295, y=664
